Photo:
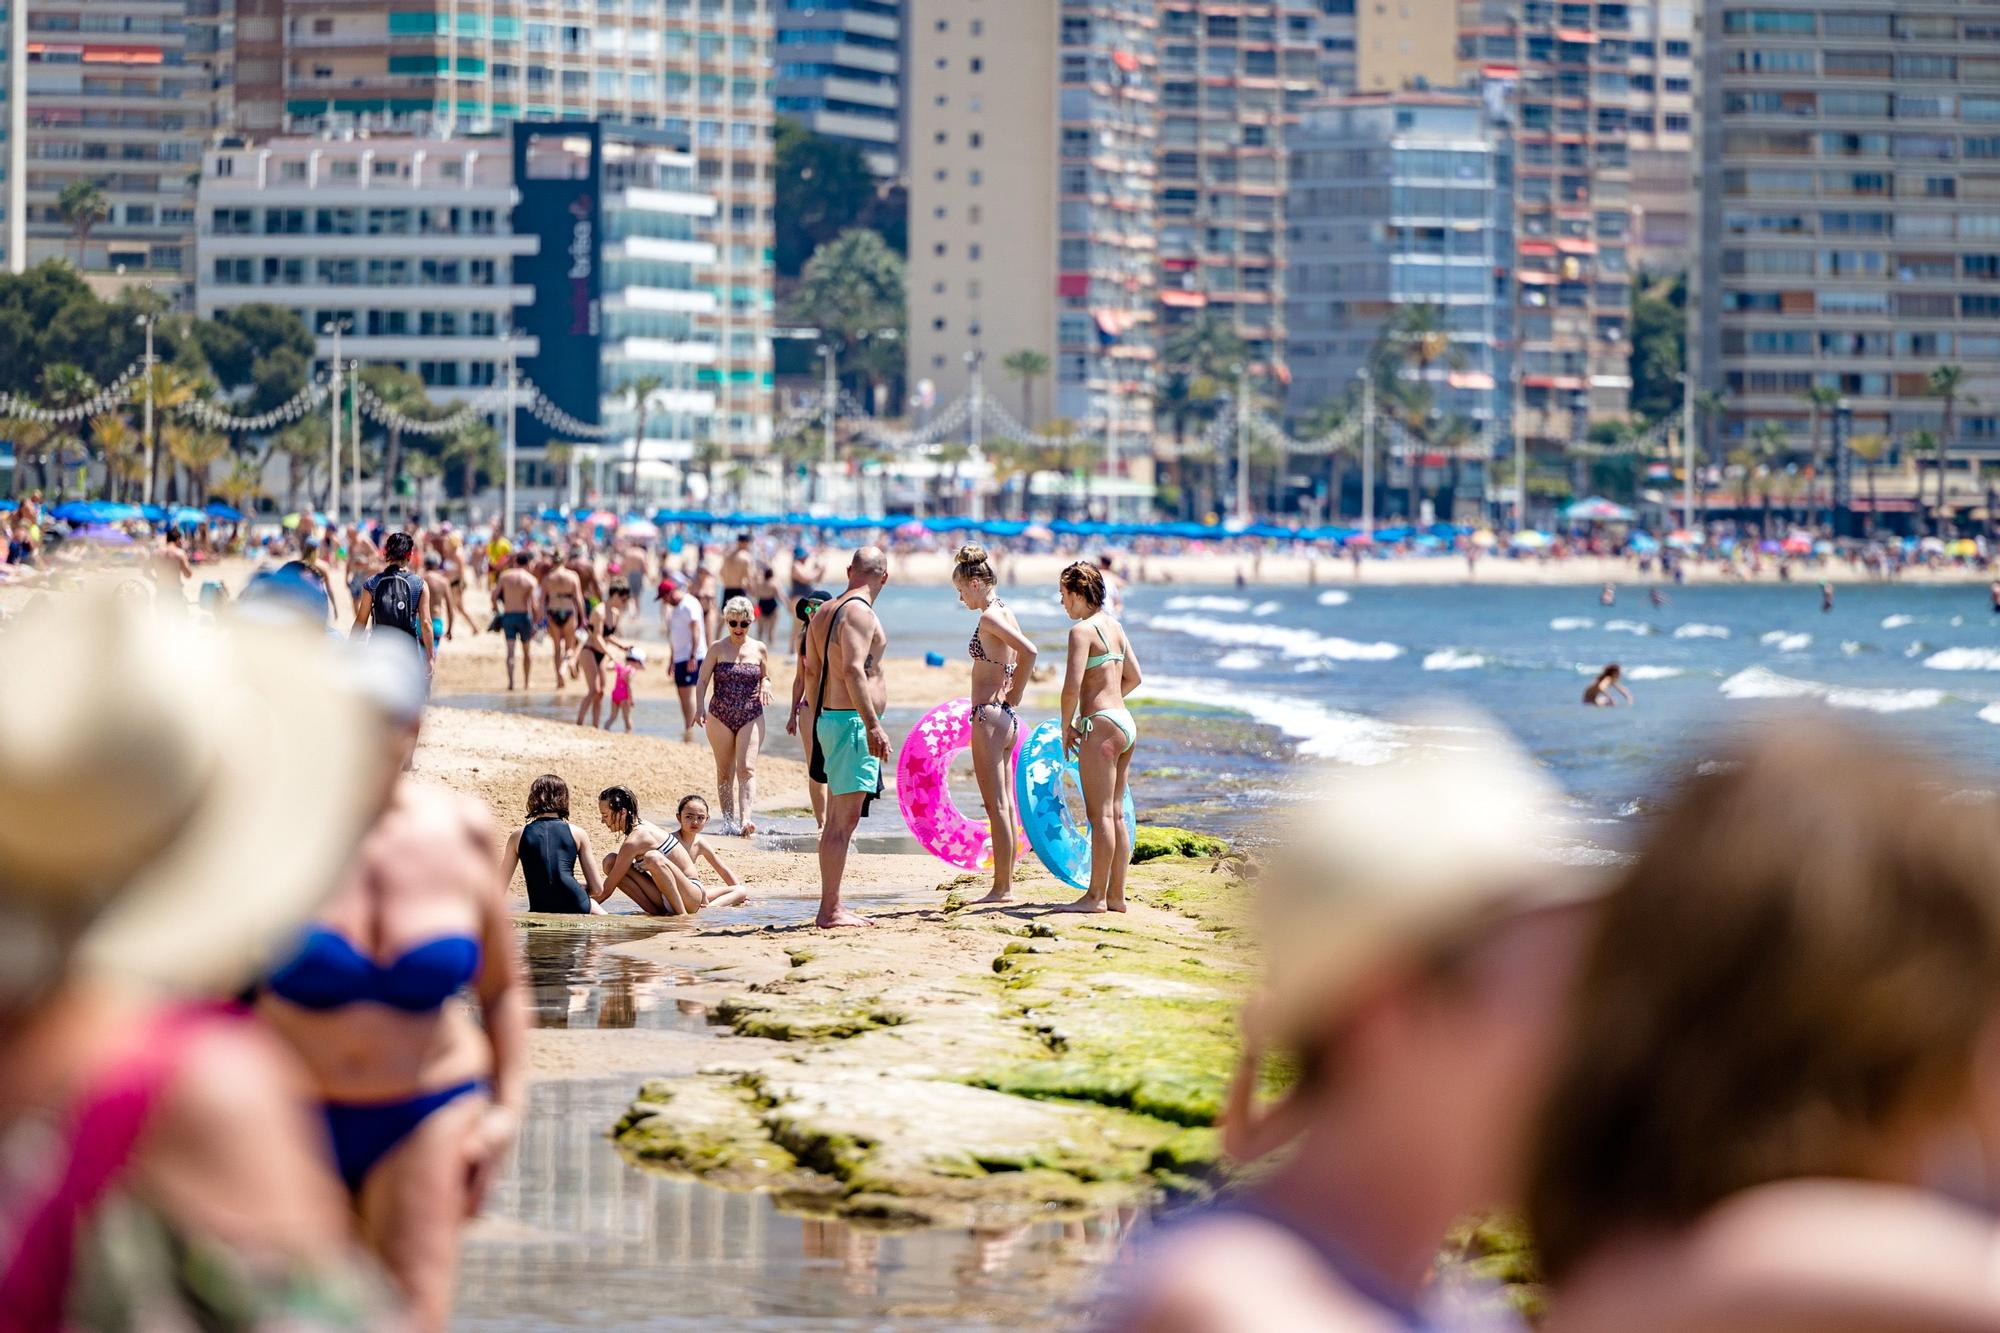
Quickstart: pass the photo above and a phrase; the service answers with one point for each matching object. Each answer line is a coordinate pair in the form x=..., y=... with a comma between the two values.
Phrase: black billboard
x=558, y=172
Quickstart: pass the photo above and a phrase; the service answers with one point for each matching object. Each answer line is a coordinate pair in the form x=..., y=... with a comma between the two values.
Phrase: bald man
x=844, y=644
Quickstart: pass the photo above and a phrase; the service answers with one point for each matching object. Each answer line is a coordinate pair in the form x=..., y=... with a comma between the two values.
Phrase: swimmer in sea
x=1608, y=597
x=1826, y=597
x=1598, y=695
x=1658, y=598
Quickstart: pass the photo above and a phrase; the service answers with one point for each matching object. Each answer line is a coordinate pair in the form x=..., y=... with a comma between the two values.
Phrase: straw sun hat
x=174, y=799
x=1392, y=859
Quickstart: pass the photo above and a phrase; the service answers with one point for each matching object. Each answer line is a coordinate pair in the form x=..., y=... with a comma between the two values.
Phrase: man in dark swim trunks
x=519, y=598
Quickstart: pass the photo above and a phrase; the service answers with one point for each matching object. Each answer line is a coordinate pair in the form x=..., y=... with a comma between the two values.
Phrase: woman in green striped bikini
x=1098, y=729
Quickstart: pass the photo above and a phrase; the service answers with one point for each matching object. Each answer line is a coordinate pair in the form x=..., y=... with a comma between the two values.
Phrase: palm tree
x=31, y=440
x=562, y=454
x=1708, y=405
x=199, y=451
x=167, y=387
x=475, y=447
x=1027, y=365
x=1767, y=445
x=1819, y=398
x=423, y=470
x=642, y=389
x=706, y=455
x=405, y=396
x=1945, y=382
x=1923, y=442
x=81, y=206
x=65, y=384
x=1416, y=337
x=1870, y=450
x=302, y=448
x=241, y=486
x=114, y=437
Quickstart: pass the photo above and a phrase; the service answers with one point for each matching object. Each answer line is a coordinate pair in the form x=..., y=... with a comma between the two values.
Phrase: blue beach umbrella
x=223, y=512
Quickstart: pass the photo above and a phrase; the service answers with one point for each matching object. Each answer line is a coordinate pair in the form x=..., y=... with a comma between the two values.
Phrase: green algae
x=776, y=1020
x=1150, y=843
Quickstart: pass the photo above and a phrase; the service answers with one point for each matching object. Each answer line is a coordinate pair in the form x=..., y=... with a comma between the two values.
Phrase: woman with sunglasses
x=737, y=667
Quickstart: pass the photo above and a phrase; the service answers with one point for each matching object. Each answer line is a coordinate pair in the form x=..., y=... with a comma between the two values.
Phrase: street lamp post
x=1367, y=451
x=146, y=322
x=335, y=327
x=1520, y=456
x=1243, y=444
x=829, y=394
x=976, y=419
x=1687, y=451
x=507, y=411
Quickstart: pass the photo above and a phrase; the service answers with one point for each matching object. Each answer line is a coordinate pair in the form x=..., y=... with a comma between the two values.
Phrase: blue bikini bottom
x=365, y=1132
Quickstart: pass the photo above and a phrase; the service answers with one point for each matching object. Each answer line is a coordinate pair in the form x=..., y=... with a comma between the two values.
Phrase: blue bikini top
x=328, y=972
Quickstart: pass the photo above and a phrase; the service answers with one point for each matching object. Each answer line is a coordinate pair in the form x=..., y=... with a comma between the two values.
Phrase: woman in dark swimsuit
x=736, y=667
x=598, y=628
x=549, y=849
x=999, y=678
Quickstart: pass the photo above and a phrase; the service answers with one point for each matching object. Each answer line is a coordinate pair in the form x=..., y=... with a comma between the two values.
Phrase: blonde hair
x=972, y=562
x=1802, y=960
x=739, y=606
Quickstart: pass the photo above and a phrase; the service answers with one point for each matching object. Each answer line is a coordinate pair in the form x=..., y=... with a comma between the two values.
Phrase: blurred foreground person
x=1418, y=953
x=159, y=1165
x=420, y=1101
x=1779, y=1104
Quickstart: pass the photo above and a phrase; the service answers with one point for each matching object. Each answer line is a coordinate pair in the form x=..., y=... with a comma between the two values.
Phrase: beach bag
x=395, y=594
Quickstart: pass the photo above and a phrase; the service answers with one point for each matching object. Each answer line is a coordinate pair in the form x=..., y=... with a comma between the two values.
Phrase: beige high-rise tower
x=1032, y=136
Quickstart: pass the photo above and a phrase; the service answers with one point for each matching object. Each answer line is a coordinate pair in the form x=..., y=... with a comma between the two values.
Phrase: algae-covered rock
x=1151, y=842
x=776, y=1020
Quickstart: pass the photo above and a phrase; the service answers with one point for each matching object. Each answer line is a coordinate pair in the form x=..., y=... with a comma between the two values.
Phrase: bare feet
x=749, y=827
x=841, y=918
x=1087, y=903
x=997, y=896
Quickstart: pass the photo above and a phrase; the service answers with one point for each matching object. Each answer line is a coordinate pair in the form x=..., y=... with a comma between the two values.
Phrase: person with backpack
x=397, y=599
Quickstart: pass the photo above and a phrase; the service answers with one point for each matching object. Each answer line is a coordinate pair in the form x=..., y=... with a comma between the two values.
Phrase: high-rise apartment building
x=1558, y=76
x=699, y=69
x=1232, y=78
x=840, y=73
x=405, y=243
x=1850, y=214
x=13, y=138
x=121, y=94
x=1662, y=46
x=1398, y=200
x=1032, y=176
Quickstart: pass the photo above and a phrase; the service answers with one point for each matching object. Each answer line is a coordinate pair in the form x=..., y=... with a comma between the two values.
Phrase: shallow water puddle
x=577, y=979
x=573, y=1236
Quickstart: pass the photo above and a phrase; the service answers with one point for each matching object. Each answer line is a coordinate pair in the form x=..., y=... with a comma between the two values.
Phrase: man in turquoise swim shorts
x=844, y=644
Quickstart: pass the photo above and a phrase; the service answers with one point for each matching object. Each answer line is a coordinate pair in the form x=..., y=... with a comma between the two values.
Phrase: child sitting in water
x=621, y=688
x=691, y=848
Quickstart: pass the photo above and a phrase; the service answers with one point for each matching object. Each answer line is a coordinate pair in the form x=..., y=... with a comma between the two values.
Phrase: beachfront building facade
x=1557, y=76
x=1232, y=81
x=1032, y=193
x=13, y=138
x=840, y=74
x=123, y=96
x=1851, y=219
x=1662, y=45
x=406, y=243
x=1401, y=200
x=700, y=70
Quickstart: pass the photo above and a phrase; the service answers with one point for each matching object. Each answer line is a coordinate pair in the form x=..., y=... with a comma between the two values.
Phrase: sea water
x=1243, y=684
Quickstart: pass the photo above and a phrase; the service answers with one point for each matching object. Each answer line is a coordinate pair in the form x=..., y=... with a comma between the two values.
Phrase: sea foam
x=1451, y=659
x=1700, y=631
x=1897, y=622
x=1292, y=642
x=1571, y=622
x=1322, y=733
x=1758, y=683
x=1334, y=597
x=1242, y=659
x=1964, y=659
x=1787, y=642
x=1207, y=603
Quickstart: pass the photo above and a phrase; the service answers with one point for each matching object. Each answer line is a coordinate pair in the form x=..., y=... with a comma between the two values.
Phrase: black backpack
x=395, y=595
